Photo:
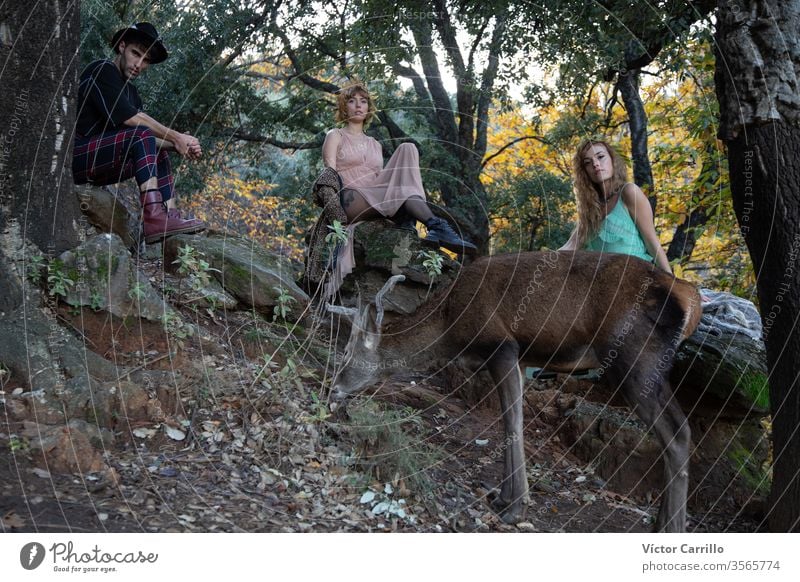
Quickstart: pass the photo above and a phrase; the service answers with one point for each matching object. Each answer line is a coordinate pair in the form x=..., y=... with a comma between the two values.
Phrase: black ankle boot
x=405, y=221
x=442, y=234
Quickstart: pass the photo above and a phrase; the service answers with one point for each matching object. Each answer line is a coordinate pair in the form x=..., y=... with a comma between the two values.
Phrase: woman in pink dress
x=372, y=191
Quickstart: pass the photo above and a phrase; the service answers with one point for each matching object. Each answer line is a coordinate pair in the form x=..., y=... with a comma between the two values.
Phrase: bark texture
x=756, y=79
x=38, y=49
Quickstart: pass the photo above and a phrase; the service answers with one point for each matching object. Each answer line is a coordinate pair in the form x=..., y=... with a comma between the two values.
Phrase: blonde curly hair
x=588, y=195
x=345, y=94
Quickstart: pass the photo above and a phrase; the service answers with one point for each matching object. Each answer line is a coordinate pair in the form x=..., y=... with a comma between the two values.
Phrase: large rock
x=245, y=270
x=727, y=465
x=68, y=448
x=722, y=367
x=107, y=278
x=109, y=209
x=382, y=250
x=39, y=354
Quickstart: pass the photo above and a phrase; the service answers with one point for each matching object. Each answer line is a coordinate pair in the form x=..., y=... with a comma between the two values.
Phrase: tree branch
x=444, y=27
x=511, y=143
x=419, y=88
x=487, y=83
x=476, y=44
x=299, y=74
x=244, y=135
x=444, y=116
x=255, y=75
x=254, y=24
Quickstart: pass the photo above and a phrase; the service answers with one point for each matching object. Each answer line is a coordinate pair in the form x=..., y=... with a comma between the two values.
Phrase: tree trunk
x=39, y=212
x=39, y=78
x=758, y=54
x=628, y=84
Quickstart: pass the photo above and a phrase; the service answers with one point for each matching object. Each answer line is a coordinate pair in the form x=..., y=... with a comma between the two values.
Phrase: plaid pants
x=116, y=156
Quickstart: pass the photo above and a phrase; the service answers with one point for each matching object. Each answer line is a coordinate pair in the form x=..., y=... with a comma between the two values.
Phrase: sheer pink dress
x=359, y=161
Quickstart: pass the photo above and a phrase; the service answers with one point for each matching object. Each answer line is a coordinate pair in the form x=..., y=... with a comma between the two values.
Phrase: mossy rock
x=724, y=374
x=250, y=273
x=106, y=278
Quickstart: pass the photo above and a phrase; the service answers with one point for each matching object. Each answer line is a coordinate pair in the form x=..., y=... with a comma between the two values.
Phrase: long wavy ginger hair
x=588, y=195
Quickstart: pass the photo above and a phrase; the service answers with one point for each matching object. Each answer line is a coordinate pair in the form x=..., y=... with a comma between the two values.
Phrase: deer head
x=363, y=364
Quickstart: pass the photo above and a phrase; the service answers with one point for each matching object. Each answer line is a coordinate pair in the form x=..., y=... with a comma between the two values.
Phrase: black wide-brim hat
x=145, y=34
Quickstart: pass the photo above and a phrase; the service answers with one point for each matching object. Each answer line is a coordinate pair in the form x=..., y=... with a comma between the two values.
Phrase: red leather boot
x=158, y=225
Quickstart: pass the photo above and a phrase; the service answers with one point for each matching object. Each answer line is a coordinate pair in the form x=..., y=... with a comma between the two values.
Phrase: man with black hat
x=115, y=140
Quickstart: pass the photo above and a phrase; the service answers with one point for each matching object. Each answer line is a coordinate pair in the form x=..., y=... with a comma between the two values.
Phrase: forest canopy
x=495, y=95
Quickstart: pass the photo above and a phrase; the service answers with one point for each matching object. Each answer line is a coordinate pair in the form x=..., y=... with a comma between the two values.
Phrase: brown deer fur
x=562, y=311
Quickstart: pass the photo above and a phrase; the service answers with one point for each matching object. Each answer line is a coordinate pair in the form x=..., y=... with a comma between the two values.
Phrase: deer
x=563, y=311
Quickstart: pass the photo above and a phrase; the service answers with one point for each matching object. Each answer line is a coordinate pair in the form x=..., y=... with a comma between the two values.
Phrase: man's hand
x=188, y=146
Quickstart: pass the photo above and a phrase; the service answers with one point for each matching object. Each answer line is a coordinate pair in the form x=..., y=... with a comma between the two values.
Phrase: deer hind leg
x=504, y=368
x=647, y=390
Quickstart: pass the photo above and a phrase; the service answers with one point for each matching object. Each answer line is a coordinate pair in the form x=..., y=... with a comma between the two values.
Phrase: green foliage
x=18, y=445
x=282, y=309
x=432, y=262
x=319, y=408
x=338, y=234
x=137, y=290
x=392, y=443
x=35, y=264
x=58, y=281
x=531, y=210
x=192, y=263
x=175, y=327
x=95, y=300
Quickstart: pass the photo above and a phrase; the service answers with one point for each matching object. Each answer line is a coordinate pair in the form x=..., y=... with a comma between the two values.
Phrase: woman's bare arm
x=639, y=208
x=330, y=148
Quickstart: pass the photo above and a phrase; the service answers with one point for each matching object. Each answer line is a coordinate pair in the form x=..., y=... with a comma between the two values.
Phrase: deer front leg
x=513, y=501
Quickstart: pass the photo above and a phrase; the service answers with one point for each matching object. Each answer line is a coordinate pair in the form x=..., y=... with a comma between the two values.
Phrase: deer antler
x=387, y=287
x=349, y=312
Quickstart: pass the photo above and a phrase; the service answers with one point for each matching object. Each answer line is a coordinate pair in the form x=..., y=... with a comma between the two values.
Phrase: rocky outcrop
x=727, y=466
x=111, y=209
x=251, y=274
x=107, y=278
x=722, y=367
x=382, y=250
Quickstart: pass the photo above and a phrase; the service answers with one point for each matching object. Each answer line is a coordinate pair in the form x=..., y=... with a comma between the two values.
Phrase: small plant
x=338, y=234
x=34, y=267
x=392, y=444
x=282, y=309
x=176, y=327
x=58, y=282
x=17, y=444
x=432, y=263
x=268, y=366
x=191, y=262
x=319, y=409
x=95, y=300
x=136, y=292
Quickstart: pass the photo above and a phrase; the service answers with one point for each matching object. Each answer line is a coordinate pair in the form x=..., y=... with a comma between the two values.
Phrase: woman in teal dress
x=614, y=215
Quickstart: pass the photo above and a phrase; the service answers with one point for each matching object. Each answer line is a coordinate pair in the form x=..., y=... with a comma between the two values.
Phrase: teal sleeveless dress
x=618, y=234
